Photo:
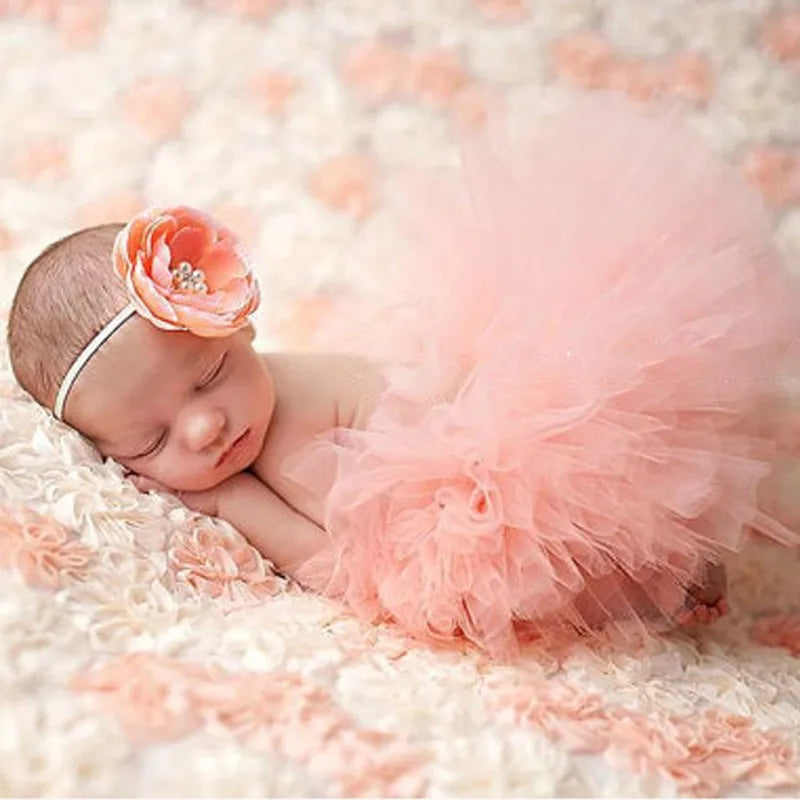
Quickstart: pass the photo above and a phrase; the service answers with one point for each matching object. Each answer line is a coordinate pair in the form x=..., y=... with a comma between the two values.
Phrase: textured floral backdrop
x=144, y=650
x=283, y=116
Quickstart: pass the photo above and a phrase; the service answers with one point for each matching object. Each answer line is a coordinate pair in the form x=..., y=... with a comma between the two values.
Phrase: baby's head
x=142, y=359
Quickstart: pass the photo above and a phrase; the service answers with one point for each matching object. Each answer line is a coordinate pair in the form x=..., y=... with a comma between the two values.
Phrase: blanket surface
x=148, y=651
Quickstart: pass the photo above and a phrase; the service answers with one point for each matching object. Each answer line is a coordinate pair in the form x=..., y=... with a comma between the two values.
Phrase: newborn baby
x=175, y=392
x=204, y=416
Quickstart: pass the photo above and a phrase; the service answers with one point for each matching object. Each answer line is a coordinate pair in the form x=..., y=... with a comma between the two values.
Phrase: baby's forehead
x=147, y=345
x=163, y=363
x=136, y=374
x=142, y=344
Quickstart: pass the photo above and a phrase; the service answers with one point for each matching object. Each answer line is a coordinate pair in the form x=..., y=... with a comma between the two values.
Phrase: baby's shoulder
x=326, y=389
x=314, y=393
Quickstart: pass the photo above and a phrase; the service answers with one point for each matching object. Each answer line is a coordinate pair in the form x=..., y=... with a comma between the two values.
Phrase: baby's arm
x=272, y=526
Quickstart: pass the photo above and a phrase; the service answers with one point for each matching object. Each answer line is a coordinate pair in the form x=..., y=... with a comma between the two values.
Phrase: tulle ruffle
x=597, y=313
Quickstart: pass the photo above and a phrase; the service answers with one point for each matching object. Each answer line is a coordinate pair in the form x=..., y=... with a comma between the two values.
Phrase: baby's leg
x=656, y=598
x=705, y=600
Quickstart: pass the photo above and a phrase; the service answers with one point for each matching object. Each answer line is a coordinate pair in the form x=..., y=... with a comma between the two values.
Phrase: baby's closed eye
x=152, y=448
x=215, y=372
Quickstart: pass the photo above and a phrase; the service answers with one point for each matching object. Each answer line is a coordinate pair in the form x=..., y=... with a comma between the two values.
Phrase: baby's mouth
x=232, y=447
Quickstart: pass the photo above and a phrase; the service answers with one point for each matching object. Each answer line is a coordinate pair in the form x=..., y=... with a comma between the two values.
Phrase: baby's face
x=185, y=411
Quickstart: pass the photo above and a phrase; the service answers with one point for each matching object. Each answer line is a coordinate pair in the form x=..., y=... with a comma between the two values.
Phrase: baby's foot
x=705, y=601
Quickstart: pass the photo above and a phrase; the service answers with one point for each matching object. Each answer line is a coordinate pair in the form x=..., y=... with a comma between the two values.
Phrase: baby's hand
x=205, y=502
x=146, y=484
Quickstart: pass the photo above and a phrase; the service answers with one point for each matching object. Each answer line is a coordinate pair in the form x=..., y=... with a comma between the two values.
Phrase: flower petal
x=221, y=265
x=159, y=271
x=147, y=292
x=189, y=244
x=161, y=237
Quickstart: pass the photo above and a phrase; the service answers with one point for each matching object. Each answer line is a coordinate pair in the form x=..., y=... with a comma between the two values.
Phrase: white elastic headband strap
x=87, y=352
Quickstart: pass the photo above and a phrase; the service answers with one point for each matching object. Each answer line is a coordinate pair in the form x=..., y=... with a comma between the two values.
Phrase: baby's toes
x=687, y=617
x=710, y=588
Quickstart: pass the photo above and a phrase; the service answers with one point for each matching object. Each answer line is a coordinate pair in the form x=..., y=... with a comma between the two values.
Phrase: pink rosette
x=185, y=271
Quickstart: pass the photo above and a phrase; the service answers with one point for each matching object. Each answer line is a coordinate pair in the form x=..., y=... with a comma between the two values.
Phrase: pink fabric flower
x=375, y=69
x=346, y=183
x=272, y=90
x=215, y=564
x=690, y=77
x=585, y=59
x=434, y=76
x=257, y=10
x=705, y=754
x=470, y=105
x=588, y=60
x=186, y=271
x=150, y=695
x=80, y=22
x=40, y=548
x=780, y=630
x=503, y=11
x=156, y=105
x=41, y=158
x=639, y=79
x=781, y=36
x=158, y=698
x=775, y=172
x=7, y=239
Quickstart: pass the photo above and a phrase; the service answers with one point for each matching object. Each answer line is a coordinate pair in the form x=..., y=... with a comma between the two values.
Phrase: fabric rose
x=40, y=548
x=185, y=271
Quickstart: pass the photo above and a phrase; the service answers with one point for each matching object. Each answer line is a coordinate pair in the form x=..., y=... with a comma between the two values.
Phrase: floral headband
x=183, y=271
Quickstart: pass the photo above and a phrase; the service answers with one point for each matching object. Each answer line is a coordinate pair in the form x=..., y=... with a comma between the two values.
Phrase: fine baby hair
x=63, y=300
x=176, y=267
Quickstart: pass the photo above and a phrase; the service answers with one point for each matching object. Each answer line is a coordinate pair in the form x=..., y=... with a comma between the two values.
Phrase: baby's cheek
x=151, y=468
x=167, y=474
x=182, y=477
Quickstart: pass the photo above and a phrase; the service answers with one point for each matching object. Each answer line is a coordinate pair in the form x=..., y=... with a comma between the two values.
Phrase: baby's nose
x=203, y=428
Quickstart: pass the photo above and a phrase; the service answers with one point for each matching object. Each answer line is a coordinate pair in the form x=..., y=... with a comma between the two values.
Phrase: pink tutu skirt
x=596, y=312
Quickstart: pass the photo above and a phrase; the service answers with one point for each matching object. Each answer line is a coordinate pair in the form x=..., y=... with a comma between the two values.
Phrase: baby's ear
x=249, y=332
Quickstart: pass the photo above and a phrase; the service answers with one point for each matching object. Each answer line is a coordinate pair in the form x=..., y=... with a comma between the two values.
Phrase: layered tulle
x=596, y=312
